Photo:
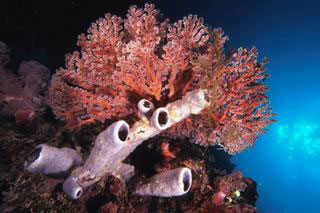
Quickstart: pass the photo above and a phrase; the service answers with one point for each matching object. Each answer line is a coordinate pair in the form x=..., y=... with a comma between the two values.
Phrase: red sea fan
x=239, y=109
x=122, y=61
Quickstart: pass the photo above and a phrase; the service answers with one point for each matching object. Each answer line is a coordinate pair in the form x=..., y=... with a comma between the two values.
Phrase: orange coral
x=239, y=109
x=122, y=61
x=166, y=152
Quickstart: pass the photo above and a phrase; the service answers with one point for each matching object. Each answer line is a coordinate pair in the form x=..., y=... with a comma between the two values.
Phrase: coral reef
x=23, y=191
x=146, y=80
x=142, y=57
x=123, y=61
x=227, y=187
x=239, y=109
x=22, y=96
x=118, y=141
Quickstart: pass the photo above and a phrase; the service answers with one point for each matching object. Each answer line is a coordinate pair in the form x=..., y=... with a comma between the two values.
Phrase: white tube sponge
x=175, y=182
x=160, y=119
x=72, y=188
x=115, y=144
x=52, y=161
x=102, y=159
x=192, y=103
x=145, y=108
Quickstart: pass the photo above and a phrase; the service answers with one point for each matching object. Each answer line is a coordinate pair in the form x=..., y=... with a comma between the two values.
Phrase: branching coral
x=122, y=61
x=239, y=109
x=157, y=75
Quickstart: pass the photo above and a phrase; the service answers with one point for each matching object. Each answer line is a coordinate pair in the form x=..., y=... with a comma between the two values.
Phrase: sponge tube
x=103, y=159
x=52, y=161
x=145, y=107
x=160, y=119
x=175, y=182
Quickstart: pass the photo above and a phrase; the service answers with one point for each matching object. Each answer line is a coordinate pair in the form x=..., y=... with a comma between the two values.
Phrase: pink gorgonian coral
x=239, y=109
x=124, y=60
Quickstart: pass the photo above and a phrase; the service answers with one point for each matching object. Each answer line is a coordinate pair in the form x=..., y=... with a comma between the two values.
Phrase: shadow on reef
x=26, y=192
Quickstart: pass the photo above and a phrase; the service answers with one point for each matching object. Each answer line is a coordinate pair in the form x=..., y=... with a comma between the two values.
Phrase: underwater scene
x=160, y=106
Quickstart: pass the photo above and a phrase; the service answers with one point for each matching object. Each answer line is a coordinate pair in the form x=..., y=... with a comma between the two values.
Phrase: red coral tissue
x=142, y=56
x=122, y=61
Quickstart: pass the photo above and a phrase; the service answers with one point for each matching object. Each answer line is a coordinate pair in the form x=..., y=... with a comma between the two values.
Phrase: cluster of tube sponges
x=115, y=144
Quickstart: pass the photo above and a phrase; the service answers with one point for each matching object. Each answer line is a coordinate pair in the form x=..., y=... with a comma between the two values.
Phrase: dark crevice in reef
x=145, y=157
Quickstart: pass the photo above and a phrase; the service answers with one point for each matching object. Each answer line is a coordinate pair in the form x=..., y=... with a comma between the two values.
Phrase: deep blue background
x=285, y=161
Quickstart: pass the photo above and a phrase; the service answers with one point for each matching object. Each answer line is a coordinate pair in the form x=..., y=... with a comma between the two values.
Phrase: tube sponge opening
x=145, y=106
x=72, y=188
x=160, y=118
x=119, y=131
x=52, y=161
x=163, y=118
x=123, y=132
x=187, y=179
x=35, y=154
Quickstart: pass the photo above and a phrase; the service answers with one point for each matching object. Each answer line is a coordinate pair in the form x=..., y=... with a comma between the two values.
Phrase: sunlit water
x=286, y=160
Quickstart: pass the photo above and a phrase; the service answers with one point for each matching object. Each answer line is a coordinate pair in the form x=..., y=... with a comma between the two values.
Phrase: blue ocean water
x=285, y=161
